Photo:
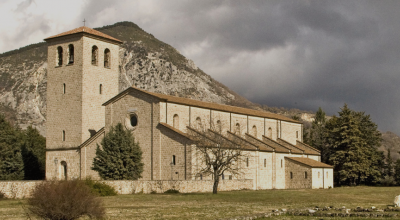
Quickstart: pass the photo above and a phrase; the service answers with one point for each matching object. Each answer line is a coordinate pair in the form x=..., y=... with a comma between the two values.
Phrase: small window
x=269, y=134
x=70, y=54
x=318, y=174
x=305, y=175
x=230, y=177
x=59, y=56
x=327, y=175
x=201, y=176
x=63, y=135
x=237, y=128
x=297, y=134
x=198, y=122
x=173, y=160
x=265, y=162
x=247, y=162
x=223, y=176
x=107, y=58
x=254, y=131
x=100, y=88
x=291, y=175
x=219, y=126
x=134, y=120
x=95, y=53
x=64, y=88
x=176, y=121
x=281, y=163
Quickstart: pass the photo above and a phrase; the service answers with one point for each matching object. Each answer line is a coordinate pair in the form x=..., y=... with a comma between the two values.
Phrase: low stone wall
x=18, y=189
x=23, y=189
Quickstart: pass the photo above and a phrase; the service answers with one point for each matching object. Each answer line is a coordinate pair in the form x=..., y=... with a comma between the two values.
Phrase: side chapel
x=83, y=102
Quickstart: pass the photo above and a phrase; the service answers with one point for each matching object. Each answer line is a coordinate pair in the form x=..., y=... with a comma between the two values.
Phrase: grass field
x=228, y=204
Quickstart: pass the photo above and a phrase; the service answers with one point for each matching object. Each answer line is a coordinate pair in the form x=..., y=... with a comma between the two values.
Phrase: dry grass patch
x=230, y=204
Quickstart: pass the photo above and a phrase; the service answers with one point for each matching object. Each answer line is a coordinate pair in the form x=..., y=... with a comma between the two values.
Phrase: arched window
x=59, y=56
x=64, y=88
x=291, y=175
x=107, y=57
x=219, y=126
x=201, y=176
x=254, y=131
x=173, y=160
x=247, y=162
x=70, y=54
x=95, y=55
x=297, y=134
x=327, y=175
x=237, y=128
x=305, y=175
x=281, y=163
x=100, y=88
x=176, y=121
x=198, y=123
x=269, y=134
x=63, y=135
x=318, y=174
x=64, y=171
x=223, y=176
x=265, y=162
x=134, y=120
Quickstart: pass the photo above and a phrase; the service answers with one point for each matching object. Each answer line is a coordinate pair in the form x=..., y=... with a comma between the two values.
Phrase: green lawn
x=228, y=204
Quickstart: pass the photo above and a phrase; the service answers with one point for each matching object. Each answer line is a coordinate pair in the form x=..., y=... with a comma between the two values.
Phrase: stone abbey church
x=83, y=103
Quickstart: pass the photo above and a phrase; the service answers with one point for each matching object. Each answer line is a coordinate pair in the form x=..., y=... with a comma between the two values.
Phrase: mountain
x=145, y=62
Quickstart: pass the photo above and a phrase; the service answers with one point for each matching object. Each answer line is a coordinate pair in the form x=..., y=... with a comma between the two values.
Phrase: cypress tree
x=397, y=171
x=11, y=165
x=34, y=154
x=119, y=157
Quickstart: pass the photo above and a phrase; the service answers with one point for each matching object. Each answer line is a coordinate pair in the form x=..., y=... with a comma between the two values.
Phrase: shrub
x=172, y=191
x=99, y=188
x=2, y=196
x=65, y=200
x=388, y=181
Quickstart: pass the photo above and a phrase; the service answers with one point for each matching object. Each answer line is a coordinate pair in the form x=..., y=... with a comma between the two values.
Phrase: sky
x=300, y=54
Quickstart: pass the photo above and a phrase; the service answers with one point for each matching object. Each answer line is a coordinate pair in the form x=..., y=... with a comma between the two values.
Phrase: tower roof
x=86, y=30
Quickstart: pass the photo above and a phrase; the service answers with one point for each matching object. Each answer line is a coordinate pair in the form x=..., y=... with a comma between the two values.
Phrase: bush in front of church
x=119, y=157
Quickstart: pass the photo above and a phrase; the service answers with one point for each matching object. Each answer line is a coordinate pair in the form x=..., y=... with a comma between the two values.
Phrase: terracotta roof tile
x=87, y=30
x=310, y=162
x=208, y=105
x=306, y=146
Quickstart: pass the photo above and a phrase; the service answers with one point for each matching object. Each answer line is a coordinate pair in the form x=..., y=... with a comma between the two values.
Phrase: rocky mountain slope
x=145, y=62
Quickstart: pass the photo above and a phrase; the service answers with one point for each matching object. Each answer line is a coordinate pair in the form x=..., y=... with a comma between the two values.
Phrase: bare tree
x=217, y=153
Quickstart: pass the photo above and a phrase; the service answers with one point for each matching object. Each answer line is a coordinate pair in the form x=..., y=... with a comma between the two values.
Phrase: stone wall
x=297, y=175
x=23, y=189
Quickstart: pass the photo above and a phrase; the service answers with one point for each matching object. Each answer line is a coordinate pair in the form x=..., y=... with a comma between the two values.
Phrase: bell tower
x=82, y=74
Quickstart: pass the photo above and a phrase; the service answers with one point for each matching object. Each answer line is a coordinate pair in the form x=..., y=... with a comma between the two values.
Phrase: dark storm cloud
x=297, y=54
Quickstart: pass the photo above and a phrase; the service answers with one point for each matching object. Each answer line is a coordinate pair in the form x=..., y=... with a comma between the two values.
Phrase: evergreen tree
x=317, y=134
x=120, y=157
x=353, y=140
x=34, y=154
x=389, y=165
x=11, y=165
x=397, y=171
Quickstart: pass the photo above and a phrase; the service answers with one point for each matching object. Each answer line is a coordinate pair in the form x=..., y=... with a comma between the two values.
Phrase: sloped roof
x=91, y=139
x=201, y=104
x=280, y=147
x=308, y=147
x=309, y=162
x=175, y=130
x=260, y=144
x=87, y=30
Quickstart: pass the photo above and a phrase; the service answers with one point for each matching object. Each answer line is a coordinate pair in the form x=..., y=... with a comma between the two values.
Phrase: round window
x=133, y=120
